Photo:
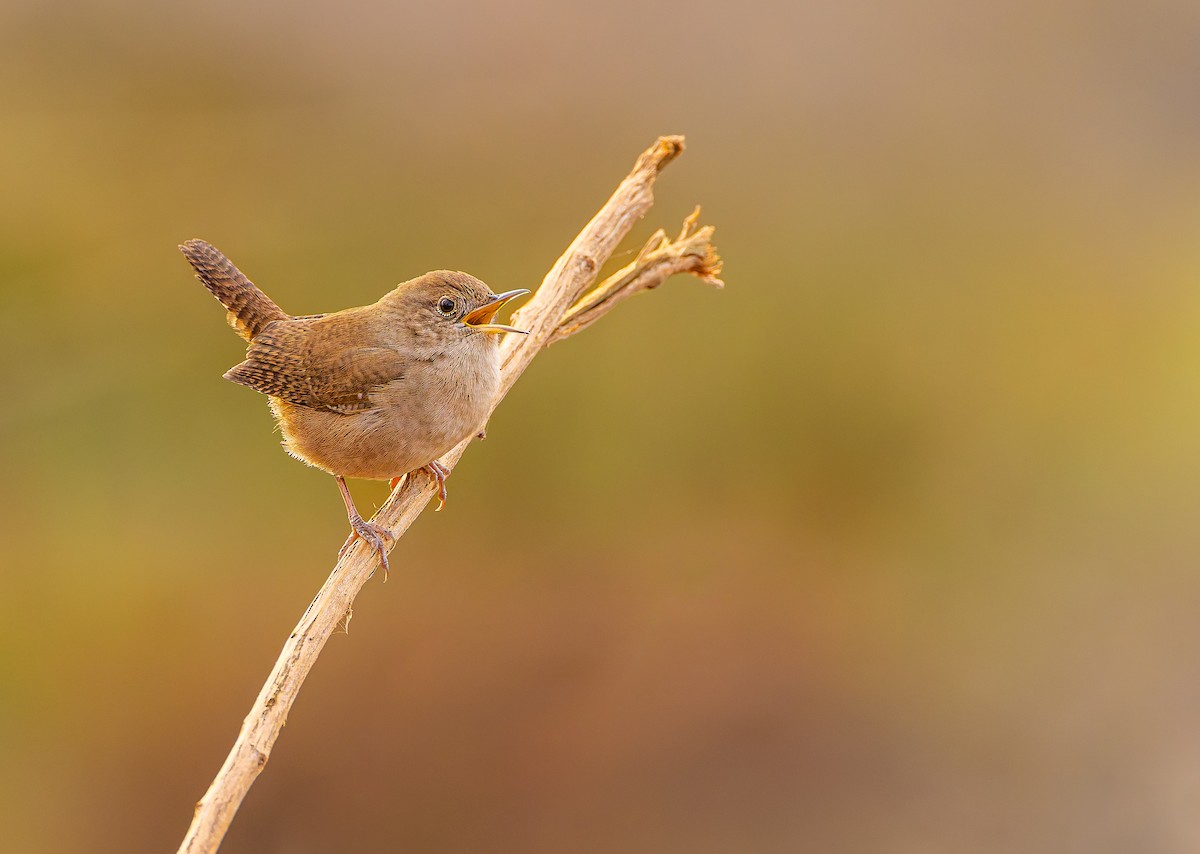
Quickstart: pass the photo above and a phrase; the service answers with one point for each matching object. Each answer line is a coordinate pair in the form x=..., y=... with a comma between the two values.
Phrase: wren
x=373, y=392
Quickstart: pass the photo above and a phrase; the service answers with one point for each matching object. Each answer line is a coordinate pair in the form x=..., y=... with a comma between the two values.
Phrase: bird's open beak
x=481, y=318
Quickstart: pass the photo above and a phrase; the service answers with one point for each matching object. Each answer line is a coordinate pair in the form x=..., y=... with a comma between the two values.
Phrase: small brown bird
x=373, y=392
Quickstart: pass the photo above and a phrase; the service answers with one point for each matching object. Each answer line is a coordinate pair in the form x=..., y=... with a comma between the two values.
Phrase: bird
x=372, y=392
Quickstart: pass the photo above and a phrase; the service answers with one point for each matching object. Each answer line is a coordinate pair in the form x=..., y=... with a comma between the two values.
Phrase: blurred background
x=891, y=545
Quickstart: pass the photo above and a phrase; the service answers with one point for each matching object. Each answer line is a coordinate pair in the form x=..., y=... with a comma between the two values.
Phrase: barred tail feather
x=250, y=310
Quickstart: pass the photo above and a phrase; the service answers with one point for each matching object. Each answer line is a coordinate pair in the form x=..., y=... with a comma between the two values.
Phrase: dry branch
x=661, y=258
x=562, y=305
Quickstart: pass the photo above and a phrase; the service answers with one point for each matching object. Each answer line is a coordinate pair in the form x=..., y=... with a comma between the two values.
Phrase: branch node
x=659, y=259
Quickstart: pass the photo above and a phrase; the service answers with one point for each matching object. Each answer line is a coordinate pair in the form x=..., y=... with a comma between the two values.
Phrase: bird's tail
x=250, y=310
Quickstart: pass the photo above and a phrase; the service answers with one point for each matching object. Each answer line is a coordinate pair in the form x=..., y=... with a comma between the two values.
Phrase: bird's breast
x=414, y=419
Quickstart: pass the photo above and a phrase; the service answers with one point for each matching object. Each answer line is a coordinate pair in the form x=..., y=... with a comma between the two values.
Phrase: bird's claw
x=374, y=536
x=439, y=473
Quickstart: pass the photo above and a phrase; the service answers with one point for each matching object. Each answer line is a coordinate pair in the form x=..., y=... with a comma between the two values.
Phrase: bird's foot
x=440, y=473
x=376, y=536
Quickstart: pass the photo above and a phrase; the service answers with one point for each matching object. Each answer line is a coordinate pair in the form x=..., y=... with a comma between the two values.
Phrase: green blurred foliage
x=890, y=545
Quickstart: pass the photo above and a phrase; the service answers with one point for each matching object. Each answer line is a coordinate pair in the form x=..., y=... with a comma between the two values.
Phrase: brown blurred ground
x=914, y=567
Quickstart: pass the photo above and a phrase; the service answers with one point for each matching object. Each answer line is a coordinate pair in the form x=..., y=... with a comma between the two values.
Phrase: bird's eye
x=445, y=306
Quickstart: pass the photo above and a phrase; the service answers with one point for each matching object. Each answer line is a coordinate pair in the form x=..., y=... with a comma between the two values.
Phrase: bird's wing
x=283, y=362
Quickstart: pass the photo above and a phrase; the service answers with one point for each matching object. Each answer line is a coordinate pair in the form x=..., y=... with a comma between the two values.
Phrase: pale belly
x=404, y=431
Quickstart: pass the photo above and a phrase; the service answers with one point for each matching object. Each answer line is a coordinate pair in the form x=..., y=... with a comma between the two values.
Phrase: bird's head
x=451, y=305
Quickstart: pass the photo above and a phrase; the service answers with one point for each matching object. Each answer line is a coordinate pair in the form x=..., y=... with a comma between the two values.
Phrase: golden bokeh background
x=891, y=545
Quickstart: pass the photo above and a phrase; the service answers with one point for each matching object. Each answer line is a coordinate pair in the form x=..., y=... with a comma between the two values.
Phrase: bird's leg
x=373, y=535
x=439, y=473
